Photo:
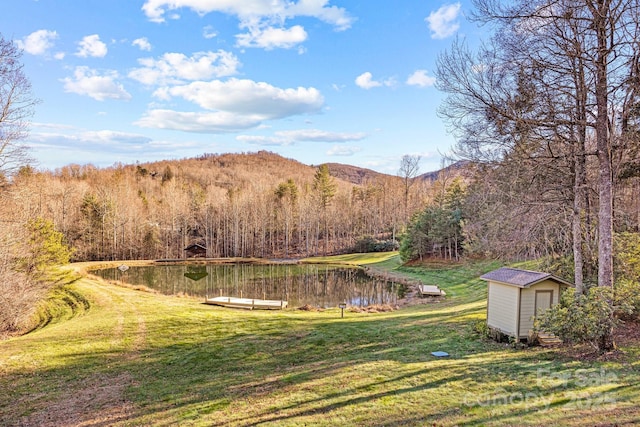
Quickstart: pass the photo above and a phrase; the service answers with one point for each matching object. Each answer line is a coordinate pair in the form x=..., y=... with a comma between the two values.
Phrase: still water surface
x=316, y=285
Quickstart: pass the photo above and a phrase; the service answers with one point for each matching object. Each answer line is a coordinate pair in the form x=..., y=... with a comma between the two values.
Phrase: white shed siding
x=502, y=310
x=528, y=301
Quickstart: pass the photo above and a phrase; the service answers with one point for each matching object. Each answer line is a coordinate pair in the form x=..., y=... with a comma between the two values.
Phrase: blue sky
x=314, y=80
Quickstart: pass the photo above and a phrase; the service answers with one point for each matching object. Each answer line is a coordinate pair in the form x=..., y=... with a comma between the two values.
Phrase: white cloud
x=442, y=22
x=270, y=37
x=109, y=139
x=256, y=10
x=88, y=82
x=264, y=140
x=91, y=46
x=142, y=43
x=366, y=81
x=288, y=137
x=207, y=122
x=231, y=105
x=248, y=97
x=38, y=42
x=264, y=20
x=54, y=126
x=106, y=147
x=421, y=79
x=209, y=32
x=343, y=150
x=177, y=67
x=334, y=15
x=316, y=135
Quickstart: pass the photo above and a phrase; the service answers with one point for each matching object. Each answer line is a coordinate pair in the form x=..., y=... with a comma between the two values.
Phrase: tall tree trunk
x=605, y=179
x=578, y=254
x=580, y=192
x=601, y=15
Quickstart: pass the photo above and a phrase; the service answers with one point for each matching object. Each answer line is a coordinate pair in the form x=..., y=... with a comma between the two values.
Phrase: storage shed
x=515, y=296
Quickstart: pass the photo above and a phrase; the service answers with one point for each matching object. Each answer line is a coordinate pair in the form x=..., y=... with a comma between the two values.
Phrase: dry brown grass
x=376, y=308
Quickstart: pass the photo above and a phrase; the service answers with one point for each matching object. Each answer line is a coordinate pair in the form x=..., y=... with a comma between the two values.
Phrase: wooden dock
x=248, y=303
x=431, y=290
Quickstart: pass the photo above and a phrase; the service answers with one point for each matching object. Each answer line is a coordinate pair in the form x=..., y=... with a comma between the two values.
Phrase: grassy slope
x=145, y=359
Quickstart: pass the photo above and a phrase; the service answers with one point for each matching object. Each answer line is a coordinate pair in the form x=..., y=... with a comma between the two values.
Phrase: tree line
x=236, y=205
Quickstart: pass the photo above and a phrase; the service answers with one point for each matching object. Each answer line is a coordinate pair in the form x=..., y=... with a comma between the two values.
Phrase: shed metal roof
x=520, y=278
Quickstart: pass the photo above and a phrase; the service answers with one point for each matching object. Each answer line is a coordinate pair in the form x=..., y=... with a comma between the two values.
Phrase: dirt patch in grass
x=628, y=333
x=99, y=402
x=308, y=307
x=586, y=352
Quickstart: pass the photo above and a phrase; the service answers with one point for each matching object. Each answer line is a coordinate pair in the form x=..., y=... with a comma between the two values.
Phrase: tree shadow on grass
x=220, y=364
x=306, y=359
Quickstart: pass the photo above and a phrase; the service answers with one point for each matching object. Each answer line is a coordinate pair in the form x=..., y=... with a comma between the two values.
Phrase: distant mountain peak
x=353, y=174
x=458, y=168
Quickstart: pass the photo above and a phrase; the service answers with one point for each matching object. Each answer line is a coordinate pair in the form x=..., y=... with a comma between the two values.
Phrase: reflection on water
x=316, y=285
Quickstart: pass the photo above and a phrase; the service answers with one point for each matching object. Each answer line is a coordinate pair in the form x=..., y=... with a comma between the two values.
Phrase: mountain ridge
x=231, y=166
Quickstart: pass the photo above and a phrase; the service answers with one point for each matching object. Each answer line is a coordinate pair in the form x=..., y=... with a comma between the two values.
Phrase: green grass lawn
x=390, y=259
x=136, y=358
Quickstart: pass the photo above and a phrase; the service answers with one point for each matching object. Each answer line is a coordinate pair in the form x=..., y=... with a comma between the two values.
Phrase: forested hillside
x=354, y=174
x=258, y=204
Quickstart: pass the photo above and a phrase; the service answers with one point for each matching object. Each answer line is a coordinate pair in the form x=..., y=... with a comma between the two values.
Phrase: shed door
x=544, y=299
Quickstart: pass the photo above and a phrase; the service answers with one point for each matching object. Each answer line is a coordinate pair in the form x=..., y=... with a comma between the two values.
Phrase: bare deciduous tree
x=16, y=108
x=409, y=168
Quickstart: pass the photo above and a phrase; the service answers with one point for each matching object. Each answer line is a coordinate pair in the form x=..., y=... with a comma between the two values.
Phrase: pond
x=300, y=284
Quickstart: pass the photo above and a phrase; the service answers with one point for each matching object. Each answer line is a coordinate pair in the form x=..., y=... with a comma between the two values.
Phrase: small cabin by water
x=515, y=296
x=195, y=251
